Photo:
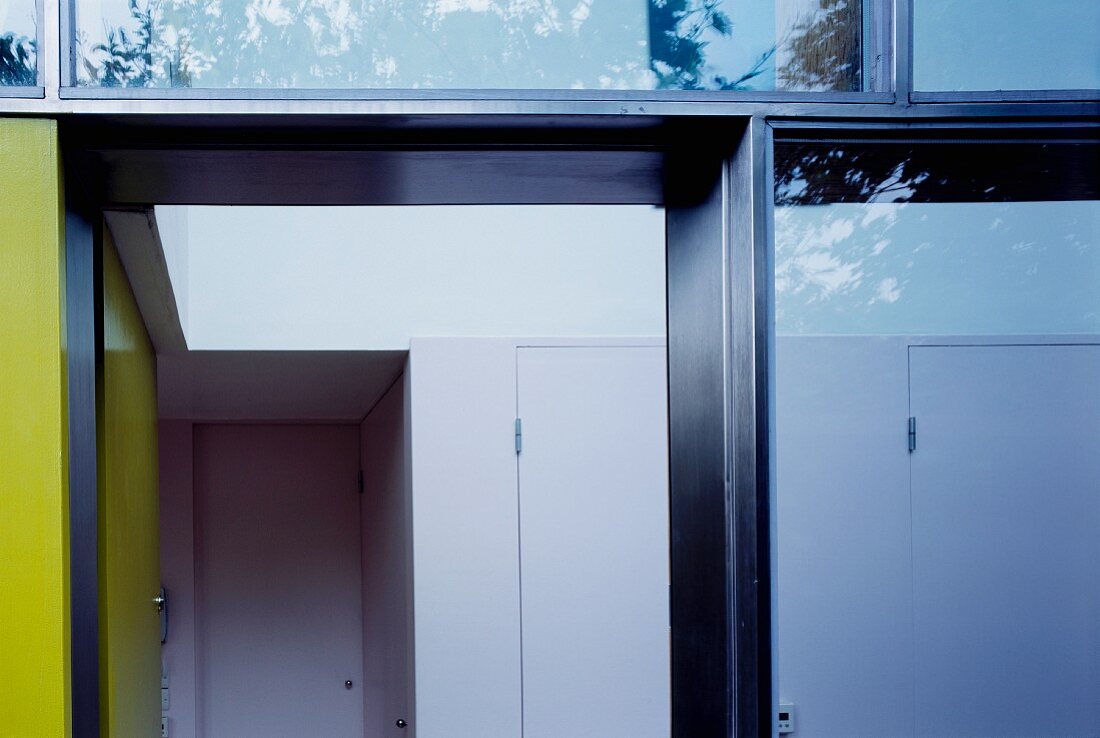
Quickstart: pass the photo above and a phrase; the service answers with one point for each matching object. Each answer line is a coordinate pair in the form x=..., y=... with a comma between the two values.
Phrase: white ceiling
x=275, y=385
x=306, y=313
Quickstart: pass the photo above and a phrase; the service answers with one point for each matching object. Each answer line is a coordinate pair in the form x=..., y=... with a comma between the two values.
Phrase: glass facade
x=804, y=45
x=1006, y=44
x=18, y=43
x=937, y=355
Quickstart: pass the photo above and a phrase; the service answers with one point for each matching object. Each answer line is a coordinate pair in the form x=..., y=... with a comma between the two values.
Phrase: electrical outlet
x=785, y=719
x=163, y=726
x=163, y=699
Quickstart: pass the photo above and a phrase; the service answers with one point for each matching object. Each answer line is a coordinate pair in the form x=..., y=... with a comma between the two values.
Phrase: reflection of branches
x=809, y=175
x=676, y=44
x=824, y=49
x=17, y=61
x=967, y=171
x=754, y=71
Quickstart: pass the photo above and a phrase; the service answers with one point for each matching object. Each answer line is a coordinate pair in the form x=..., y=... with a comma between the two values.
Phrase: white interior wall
x=465, y=538
x=386, y=524
x=370, y=278
x=189, y=560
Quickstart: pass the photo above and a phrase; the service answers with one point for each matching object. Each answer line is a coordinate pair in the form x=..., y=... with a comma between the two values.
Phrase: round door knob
x=401, y=723
x=348, y=684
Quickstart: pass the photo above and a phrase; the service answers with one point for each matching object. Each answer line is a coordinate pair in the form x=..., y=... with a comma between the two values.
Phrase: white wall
x=465, y=538
x=373, y=277
x=386, y=524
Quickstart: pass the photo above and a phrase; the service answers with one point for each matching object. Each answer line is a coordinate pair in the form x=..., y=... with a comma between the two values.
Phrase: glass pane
x=990, y=239
x=1006, y=44
x=937, y=388
x=473, y=44
x=18, y=43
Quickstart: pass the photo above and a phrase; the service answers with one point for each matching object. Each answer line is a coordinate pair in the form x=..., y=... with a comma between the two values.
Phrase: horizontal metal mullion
x=1003, y=96
x=30, y=92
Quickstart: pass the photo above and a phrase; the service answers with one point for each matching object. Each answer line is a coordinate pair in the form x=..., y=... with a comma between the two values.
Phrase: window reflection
x=979, y=239
x=18, y=44
x=936, y=501
x=998, y=45
x=472, y=44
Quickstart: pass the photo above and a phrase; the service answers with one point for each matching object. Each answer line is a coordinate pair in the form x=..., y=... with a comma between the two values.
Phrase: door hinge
x=360, y=481
x=912, y=435
x=519, y=435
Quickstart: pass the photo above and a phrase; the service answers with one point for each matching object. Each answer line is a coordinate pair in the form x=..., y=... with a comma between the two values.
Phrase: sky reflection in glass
x=472, y=44
x=1006, y=44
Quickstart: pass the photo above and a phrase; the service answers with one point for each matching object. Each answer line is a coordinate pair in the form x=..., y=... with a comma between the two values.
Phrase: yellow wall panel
x=34, y=546
x=129, y=564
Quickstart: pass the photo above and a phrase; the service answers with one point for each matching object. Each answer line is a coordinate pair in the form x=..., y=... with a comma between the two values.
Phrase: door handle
x=161, y=601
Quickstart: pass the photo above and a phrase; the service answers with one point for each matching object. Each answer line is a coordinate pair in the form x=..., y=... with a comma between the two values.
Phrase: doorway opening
x=411, y=470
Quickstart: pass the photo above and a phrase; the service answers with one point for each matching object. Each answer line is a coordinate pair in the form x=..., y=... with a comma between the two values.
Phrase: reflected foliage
x=963, y=237
x=678, y=31
x=17, y=61
x=544, y=44
x=822, y=52
x=961, y=171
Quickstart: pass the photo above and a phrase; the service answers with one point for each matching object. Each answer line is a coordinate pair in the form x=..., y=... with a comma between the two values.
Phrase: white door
x=1006, y=540
x=278, y=591
x=593, y=494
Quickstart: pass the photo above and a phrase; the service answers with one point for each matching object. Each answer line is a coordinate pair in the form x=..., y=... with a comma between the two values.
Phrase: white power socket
x=785, y=719
x=163, y=726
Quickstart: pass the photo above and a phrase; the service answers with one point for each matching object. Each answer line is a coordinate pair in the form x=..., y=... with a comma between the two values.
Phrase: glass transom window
x=808, y=45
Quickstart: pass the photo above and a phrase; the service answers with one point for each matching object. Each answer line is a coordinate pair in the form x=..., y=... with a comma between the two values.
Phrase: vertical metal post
x=66, y=46
x=84, y=350
x=718, y=209
x=698, y=364
x=750, y=327
x=903, y=50
x=878, y=40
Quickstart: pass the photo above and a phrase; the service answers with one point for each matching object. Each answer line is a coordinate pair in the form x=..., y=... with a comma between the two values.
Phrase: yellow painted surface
x=129, y=560
x=34, y=515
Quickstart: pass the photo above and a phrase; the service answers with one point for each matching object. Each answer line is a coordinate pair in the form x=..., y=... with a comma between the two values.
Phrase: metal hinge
x=360, y=481
x=912, y=435
x=519, y=435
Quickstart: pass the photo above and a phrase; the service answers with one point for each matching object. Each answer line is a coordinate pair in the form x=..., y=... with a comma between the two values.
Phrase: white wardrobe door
x=593, y=490
x=1006, y=539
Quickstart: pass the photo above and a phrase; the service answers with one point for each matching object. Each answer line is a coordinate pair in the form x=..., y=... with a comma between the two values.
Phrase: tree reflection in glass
x=960, y=239
x=18, y=44
x=474, y=44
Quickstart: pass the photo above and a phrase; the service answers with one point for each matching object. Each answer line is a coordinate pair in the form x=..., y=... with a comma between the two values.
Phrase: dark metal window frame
x=714, y=177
